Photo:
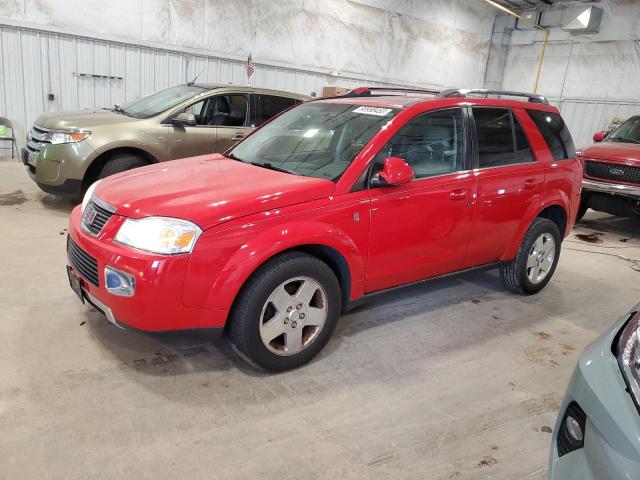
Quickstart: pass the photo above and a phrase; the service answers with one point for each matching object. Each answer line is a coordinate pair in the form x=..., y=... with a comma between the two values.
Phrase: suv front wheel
x=286, y=312
x=536, y=260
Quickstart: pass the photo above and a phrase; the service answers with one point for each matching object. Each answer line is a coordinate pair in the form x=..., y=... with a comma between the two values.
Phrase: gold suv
x=67, y=151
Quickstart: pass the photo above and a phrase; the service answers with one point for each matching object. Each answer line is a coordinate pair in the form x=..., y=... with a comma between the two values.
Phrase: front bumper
x=59, y=169
x=611, y=188
x=157, y=302
x=612, y=434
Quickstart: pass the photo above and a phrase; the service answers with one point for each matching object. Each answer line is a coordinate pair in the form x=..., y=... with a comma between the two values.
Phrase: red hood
x=627, y=153
x=207, y=190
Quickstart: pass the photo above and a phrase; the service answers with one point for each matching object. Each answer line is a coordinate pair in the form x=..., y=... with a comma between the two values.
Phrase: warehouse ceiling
x=527, y=4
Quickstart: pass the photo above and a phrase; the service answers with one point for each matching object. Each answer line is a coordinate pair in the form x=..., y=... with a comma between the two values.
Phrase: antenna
x=197, y=76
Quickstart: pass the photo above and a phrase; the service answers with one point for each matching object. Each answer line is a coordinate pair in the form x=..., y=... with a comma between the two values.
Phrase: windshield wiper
x=271, y=166
x=625, y=139
x=119, y=109
x=233, y=157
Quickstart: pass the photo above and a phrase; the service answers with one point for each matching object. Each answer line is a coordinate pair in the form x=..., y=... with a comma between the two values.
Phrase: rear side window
x=555, y=133
x=501, y=139
x=271, y=105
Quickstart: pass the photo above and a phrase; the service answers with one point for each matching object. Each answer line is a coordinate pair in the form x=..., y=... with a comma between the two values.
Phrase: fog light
x=573, y=428
x=119, y=283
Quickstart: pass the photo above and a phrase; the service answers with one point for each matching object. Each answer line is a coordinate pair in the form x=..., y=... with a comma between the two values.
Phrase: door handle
x=237, y=137
x=458, y=195
x=530, y=183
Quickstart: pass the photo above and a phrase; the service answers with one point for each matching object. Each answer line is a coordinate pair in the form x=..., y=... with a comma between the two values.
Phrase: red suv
x=612, y=172
x=330, y=201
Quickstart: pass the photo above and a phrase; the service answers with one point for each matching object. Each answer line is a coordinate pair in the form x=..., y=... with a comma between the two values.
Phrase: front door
x=421, y=229
x=189, y=141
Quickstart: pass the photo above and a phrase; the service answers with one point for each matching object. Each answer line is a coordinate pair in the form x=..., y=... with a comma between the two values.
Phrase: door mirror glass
x=184, y=119
x=599, y=136
x=395, y=172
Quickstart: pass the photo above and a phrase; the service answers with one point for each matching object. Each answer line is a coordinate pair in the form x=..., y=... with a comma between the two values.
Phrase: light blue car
x=597, y=434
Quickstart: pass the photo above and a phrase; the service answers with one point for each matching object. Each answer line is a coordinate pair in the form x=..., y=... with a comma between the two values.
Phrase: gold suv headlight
x=56, y=138
x=162, y=235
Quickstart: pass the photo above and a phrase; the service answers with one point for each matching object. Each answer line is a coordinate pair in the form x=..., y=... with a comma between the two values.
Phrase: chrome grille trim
x=95, y=216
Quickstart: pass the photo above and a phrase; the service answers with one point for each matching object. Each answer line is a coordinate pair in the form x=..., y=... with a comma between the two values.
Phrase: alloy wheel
x=293, y=316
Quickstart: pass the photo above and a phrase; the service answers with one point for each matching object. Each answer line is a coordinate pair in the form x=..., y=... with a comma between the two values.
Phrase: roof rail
x=463, y=92
x=380, y=91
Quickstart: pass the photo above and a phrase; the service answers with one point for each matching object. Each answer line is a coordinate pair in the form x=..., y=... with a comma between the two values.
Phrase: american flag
x=250, y=67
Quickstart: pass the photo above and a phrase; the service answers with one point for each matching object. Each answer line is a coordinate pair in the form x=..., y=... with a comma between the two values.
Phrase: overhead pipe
x=534, y=25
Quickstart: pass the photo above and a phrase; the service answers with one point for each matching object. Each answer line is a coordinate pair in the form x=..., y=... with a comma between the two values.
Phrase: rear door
x=510, y=182
x=421, y=229
x=268, y=106
x=230, y=117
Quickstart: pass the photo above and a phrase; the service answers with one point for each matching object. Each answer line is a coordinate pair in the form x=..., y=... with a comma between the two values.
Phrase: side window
x=220, y=110
x=271, y=105
x=501, y=139
x=433, y=144
x=197, y=109
x=555, y=133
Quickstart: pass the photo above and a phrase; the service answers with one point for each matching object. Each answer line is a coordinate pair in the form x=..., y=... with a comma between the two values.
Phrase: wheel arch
x=554, y=211
x=93, y=170
x=245, y=250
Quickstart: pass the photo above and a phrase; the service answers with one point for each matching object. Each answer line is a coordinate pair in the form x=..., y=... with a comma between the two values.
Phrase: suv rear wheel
x=536, y=260
x=286, y=312
x=121, y=162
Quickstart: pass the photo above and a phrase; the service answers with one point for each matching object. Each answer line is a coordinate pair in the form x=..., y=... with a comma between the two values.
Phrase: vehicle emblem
x=89, y=215
x=617, y=172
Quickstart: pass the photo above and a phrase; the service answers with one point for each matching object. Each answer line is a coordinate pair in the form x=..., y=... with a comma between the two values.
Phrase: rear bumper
x=159, y=279
x=612, y=434
x=611, y=188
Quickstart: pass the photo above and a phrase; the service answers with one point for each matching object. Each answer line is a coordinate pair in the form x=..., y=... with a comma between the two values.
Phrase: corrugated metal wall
x=34, y=63
x=587, y=116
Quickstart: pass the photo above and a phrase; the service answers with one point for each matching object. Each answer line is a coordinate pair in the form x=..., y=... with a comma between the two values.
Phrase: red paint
x=396, y=171
x=386, y=236
x=610, y=152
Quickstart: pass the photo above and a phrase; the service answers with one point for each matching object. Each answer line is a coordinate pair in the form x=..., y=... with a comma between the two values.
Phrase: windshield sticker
x=379, y=111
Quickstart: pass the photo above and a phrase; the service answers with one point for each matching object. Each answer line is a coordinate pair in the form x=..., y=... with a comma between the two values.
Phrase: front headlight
x=88, y=195
x=629, y=356
x=66, y=137
x=159, y=234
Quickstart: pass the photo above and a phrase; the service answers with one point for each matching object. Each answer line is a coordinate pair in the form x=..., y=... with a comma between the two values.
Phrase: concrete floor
x=451, y=379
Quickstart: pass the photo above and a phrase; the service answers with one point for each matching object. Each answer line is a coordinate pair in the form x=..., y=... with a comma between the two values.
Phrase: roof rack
x=463, y=92
x=382, y=91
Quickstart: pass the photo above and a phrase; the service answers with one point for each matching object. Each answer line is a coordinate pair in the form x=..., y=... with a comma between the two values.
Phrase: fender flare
x=555, y=198
x=280, y=238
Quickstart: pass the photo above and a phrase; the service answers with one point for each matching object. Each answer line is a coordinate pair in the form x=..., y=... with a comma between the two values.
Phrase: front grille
x=95, y=217
x=85, y=264
x=612, y=171
x=36, y=139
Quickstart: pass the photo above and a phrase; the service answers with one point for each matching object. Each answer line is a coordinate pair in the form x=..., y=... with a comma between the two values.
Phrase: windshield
x=158, y=102
x=316, y=139
x=628, y=132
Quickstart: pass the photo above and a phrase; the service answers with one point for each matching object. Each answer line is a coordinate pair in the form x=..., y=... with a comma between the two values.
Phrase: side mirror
x=184, y=119
x=599, y=136
x=395, y=172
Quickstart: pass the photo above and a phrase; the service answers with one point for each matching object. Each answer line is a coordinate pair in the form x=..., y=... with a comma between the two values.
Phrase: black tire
x=582, y=209
x=514, y=274
x=244, y=328
x=121, y=162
